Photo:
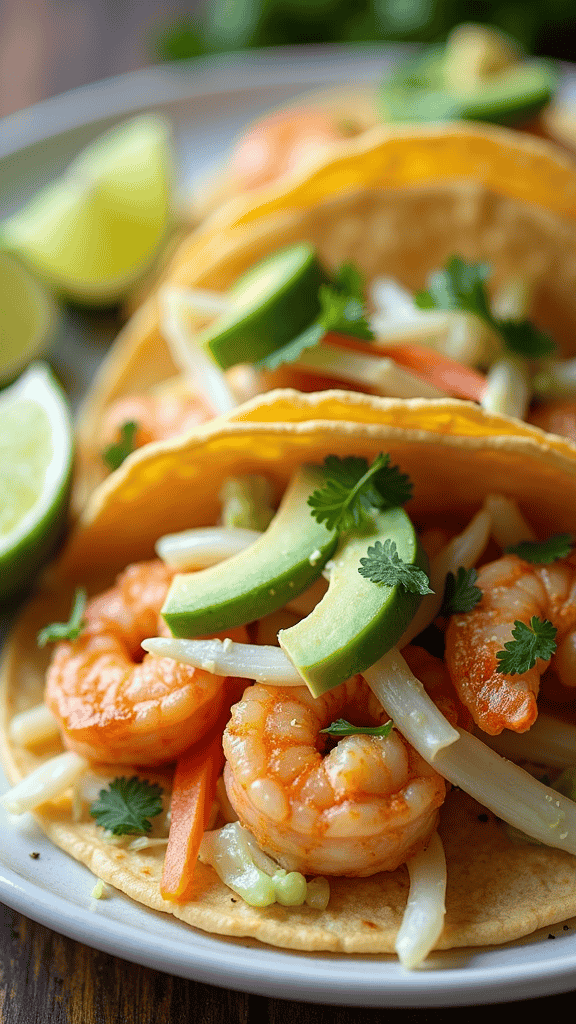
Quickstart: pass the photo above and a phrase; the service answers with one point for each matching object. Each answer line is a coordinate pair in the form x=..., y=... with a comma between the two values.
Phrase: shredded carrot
x=193, y=791
x=192, y=794
x=447, y=374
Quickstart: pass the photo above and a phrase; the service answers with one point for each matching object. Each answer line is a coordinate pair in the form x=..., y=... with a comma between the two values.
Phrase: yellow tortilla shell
x=399, y=202
x=497, y=890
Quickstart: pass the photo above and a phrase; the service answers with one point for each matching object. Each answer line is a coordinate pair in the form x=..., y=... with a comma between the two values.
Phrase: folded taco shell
x=498, y=890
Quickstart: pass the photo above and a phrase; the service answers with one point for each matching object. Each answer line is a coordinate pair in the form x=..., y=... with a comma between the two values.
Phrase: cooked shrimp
x=111, y=705
x=557, y=417
x=277, y=144
x=158, y=415
x=511, y=590
x=364, y=806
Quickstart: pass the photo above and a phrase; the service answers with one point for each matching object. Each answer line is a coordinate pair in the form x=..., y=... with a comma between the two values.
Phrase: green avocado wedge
x=419, y=93
x=269, y=306
x=357, y=621
x=264, y=577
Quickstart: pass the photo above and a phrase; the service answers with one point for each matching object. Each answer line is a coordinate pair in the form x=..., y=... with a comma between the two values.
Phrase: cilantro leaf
x=351, y=490
x=460, y=594
x=343, y=728
x=125, y=807
x=344, y=313
x=114, y=454
x=530, y=643
x=341, y=309
x=461, y=285
x=384, y=565
x=66, y=630
x=543, y=552
x=524, y=339
x=350, y=280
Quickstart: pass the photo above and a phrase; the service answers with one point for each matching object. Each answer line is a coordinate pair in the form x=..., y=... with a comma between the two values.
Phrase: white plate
x=207, y=105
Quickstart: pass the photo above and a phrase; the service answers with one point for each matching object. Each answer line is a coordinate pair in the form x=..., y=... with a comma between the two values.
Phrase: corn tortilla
x=398, y=202
x=498, y=890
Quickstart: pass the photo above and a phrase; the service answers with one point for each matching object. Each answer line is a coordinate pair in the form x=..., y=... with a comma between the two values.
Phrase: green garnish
x=384, y=565
x=531, y=643
x=66, y=630
x=113, y=456
x=342, y=310
x=351, y=489
x=543, y=552
x=460, y=594
x=461, y=286
x=290, y=353
x=342, y=304
x=524, y=339
x=343, y=728
x=127, y=805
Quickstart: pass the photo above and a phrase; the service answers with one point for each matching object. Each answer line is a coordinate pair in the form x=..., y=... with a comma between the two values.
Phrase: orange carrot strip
x=192, y=794
x=193, y=791
x=448, y=374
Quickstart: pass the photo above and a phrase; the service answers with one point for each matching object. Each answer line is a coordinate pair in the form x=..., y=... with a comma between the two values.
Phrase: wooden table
x=48, y=979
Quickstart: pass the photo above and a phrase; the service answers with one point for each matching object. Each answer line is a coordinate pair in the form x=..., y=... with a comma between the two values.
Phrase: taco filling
x=305, y=751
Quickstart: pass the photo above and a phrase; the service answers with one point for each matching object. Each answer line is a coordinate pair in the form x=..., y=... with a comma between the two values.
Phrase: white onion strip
x=405, y=700
x=509, y=792
x=549, y=742
x=504, y=788
x=191, y=358
x=38, y=725
x=423, y=918
x=265, y=664
x=380, y=373
x=463, y=550
x=508, y=524
x=204, y=546
x=46, y=782
x=508, y=389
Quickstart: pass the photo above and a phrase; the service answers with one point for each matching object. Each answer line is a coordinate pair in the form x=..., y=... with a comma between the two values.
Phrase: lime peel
x=92, y=233
x=36, y=448
x=27, y=321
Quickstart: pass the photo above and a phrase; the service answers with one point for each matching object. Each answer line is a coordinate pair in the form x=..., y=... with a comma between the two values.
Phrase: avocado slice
x=282, y=563
x=270, y=305
x=357, y=620
x=419, y=92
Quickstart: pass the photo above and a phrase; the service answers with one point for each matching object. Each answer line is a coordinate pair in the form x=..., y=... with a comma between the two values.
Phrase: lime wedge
x=36, y=450
x=96, y=230
x=27, y=318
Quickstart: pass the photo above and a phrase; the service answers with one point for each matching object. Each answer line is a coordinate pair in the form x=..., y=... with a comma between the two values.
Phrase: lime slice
x=26, y=321
x=96, y=230
x=36, y=450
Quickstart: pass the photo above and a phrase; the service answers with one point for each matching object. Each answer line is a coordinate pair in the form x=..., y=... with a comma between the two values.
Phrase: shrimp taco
x=354, y=662
x=479, y=74
x=423, y=261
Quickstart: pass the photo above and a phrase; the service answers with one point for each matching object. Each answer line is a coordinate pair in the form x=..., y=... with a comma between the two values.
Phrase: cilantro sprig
x=351, y=489
x=341, y=309
x=125, y=808
x=462, y=286
x=343, y=728
x=543, y=552
x=461, y=593
x=530, y=643
x=384, y=565
x=66, y=630
x=114, y=454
